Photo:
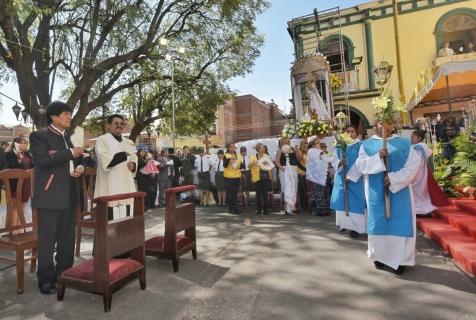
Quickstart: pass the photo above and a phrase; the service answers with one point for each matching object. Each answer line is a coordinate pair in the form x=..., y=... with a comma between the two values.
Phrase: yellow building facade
x=368, y=37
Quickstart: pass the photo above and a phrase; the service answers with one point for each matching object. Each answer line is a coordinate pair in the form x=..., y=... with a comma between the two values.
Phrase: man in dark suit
x=56, y=193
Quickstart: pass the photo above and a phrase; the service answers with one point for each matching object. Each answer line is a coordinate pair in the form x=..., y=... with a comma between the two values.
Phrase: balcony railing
x=457, y=57
x=349, y=78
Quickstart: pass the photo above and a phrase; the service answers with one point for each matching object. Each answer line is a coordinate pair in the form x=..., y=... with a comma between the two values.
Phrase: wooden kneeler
x=104, y=274
x=178, y=219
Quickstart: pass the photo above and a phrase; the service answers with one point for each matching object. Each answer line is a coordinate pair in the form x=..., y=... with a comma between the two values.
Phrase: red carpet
x=454, y=229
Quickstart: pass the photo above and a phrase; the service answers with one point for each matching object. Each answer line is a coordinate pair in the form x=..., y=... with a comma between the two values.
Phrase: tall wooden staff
x=344, y=184
x=385, y=174
x=341, y=120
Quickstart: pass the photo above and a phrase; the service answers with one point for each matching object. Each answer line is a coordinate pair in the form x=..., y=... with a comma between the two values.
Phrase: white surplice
x=290, y=186
x=422, y=198
x=118, y=179
x=392, y=251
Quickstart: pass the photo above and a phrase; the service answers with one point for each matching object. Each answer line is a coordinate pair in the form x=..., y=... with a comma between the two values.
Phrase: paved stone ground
x=266, y=267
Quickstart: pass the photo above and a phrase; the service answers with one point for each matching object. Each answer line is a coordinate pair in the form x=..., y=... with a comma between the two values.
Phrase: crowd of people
x=353, y=182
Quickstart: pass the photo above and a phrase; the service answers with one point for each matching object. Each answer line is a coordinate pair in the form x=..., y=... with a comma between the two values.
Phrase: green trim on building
x=350, y=47
x=438, y=33
x=370, y=54
x=374, y=16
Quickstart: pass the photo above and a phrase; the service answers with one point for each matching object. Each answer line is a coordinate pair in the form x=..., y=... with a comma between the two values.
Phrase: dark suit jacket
x=51, y=157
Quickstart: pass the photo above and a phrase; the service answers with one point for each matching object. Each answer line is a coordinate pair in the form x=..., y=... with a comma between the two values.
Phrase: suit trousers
x=262, y=188
x=232, y=185
x=55, y=226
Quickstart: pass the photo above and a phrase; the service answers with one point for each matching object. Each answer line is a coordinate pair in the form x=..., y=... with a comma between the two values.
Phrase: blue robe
x=355, y=189
x=401, y=221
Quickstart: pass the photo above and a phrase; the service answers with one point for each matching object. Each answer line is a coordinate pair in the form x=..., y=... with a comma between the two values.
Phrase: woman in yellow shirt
x=232, y=163
x=261, y=177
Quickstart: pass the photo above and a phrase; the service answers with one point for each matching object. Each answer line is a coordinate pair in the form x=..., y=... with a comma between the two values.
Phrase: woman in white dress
x=423, y=205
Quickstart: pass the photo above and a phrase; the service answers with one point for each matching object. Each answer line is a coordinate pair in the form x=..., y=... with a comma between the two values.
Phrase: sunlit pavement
x=264, y=267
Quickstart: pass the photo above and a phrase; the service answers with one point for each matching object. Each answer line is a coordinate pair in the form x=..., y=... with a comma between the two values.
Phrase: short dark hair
x=112, y=116
x=171, y=151
x=185, y=147
x=56, y=108
x=420, y=134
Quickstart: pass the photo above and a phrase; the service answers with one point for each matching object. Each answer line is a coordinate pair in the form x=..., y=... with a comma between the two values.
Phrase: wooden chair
x=18, y=236
x=104, y=274
x=177, y=219
x=85, y=218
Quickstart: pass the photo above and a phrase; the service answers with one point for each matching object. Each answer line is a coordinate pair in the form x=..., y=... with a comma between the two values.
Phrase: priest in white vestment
x=391, y=242
x=117, y=163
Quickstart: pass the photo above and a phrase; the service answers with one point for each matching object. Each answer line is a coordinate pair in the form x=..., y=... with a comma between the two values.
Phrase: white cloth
x=318, y=106
x=356, y=222
x=207, y=163
x=118, y=179
x=290, y=186
x=390, y=250
x=317, y=168
x=422, y=198
x=297, y=94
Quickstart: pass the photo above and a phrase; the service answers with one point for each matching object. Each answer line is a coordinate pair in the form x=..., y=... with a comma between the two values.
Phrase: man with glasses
x=116, y=166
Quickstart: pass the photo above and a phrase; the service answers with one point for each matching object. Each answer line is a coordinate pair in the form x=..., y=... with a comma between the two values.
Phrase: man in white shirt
x=203, y=165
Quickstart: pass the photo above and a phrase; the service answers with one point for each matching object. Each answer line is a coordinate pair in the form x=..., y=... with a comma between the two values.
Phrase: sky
x=270, y=77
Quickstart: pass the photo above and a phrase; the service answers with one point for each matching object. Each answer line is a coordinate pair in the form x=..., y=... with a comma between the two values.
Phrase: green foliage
x=458, y=173
x=56, y=47
x=462, y=144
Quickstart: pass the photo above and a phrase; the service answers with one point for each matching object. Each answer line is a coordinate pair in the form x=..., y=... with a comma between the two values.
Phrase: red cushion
x=157, y=243
x=118, y=269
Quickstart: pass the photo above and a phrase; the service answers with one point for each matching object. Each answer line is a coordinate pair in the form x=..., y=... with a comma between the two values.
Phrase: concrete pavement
x=265, y=267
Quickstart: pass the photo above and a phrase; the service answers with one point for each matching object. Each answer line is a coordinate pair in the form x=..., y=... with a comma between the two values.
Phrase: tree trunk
x=136, y=130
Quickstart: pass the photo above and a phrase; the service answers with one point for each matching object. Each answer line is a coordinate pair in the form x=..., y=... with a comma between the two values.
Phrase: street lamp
x=341, y=120
x=171, y=56
x=383, y=72
x=25, y=115
x=16, y=110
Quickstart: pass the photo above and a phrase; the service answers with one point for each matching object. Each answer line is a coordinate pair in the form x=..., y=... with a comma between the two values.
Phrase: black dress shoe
x=47, y=288
x=379, y=265
x=353, y=234
x=400, y=270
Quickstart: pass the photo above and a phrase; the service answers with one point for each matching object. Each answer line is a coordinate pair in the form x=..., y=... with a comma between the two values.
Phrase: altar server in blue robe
x=390, y=242
x=356, y=220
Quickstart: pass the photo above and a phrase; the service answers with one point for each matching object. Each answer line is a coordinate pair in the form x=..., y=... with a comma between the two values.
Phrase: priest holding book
x=117, y=164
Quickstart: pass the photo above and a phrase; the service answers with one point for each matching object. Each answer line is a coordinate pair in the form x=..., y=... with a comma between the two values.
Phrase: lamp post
x=149, y=133
x=172, y=56
x=16, y=110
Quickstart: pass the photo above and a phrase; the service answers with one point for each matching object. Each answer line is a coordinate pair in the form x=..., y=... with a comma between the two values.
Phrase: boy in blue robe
x=391, y=242
x=356, y=220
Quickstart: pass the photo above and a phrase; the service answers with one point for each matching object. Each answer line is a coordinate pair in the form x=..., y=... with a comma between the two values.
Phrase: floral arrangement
x=336, y=81
x=388, y=109
x=343, y=139
x=289, y=131
x=307, y=128
x=323, y=128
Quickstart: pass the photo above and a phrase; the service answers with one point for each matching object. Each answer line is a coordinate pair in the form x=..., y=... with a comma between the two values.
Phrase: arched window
x=458, y=27
x=330, y=47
